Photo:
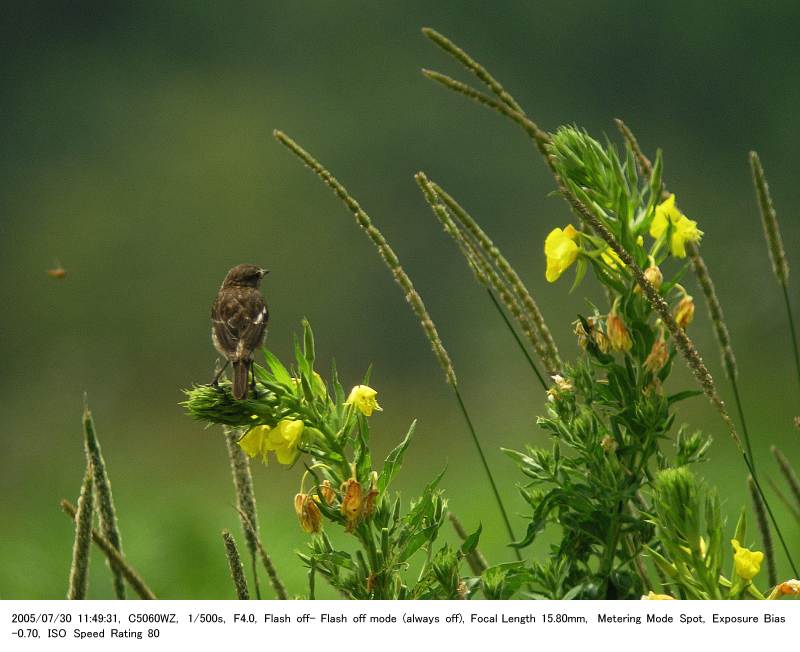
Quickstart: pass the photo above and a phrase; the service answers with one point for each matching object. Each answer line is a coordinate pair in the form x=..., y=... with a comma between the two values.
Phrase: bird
x=239, y=318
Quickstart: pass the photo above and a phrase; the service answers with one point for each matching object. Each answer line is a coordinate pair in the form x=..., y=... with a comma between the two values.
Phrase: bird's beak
x=264, y=272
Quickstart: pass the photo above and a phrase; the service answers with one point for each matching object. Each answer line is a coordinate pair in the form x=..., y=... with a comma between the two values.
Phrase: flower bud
x=654, y=276
x=308, y=513
x=618, y=334
x=657, y=357
x=684, y=312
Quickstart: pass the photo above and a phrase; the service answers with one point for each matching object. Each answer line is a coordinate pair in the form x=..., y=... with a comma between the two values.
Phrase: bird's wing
x=239, y=320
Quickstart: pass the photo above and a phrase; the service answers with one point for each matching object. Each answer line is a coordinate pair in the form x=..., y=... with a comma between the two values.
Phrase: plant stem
x=486, y=468
x=235, y=564
x=245, y=498
x=771, y=516
x=745, y=432
x=517, y=338
x=792, y=329
x=79, y=572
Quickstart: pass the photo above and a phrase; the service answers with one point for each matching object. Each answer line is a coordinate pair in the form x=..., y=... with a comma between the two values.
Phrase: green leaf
x=417, y=540
x=394, y=460
x=308, y=343
x=681, y=396
x=280, y=373
x=471, y=542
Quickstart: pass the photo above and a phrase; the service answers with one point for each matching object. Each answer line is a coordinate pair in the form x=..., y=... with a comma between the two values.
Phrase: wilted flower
x=683, y=229
x=608, y=444
x=561, y=251
x=580, y=331
x=746, y=562
x=658, y=356
x=789, y=587
x=363, y=397
x=657, y=596
x=684, y=312
x=618, y=333
x=351, y=502
x=328, y=494
x=308, y=513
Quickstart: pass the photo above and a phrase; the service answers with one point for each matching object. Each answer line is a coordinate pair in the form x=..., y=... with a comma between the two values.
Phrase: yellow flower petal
x=657, y=596
x=683, y=229
x=561, y=251
x=364, y=399
x=747, y=563
x=253, y=440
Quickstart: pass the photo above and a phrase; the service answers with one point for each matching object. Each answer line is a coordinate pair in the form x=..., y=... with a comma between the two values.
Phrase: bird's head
x=245, y=275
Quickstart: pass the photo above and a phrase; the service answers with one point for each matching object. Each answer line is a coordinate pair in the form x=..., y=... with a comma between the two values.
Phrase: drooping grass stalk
x=686, y=347
x=544, y=343
x=473, y=66
x=772, y=232
x=115, y=559
x=272, y=573
x=105, y=501
x=763, y=528
x=784, y=499
x=79, y=571
x=788, y=473
x=486, y=276
x=709, y=291
x=412, y=297
x=477, y=562
x=235, y=564
x=245, y=498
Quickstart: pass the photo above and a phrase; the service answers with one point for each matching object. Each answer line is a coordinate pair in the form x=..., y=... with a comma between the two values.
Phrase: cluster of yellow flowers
x=284, y=438
x=562, y=250
x=281, y=440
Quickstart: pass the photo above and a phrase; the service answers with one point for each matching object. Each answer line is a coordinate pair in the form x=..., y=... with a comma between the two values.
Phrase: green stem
x=517, y=338
x=745, y=432
x=607, y=562
x=486, y=468
x=792, y=329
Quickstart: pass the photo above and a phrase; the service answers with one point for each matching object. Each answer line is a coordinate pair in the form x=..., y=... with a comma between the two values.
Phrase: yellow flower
x=618, y=334
x=657, y=596
x=746, y=562
x=282, y=440
x=684, y=312
x=683, y=229
x=363, y=398
x=561, y=251
x=253, y=441
x=308, y=513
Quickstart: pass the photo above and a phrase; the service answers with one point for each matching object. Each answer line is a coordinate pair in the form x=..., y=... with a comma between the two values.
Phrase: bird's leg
x=215, y=382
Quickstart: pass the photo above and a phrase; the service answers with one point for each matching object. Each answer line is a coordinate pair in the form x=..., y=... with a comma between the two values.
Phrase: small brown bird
x=238, y=323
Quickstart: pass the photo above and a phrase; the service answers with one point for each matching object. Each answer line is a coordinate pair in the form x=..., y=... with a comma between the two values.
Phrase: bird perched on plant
x=238, y=324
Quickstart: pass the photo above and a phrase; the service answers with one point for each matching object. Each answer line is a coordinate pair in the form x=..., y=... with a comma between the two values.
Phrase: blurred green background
x=137, y=150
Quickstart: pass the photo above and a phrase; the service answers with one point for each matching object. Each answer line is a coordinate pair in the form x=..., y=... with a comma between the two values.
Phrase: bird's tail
x=240, y=378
